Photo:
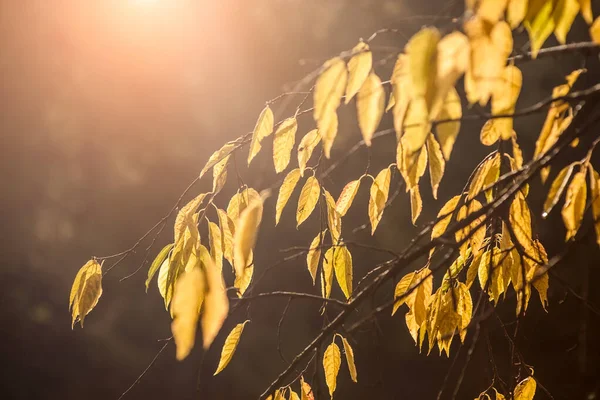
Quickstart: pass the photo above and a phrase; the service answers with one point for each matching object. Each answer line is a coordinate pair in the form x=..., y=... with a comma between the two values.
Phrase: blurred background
x=108, y=109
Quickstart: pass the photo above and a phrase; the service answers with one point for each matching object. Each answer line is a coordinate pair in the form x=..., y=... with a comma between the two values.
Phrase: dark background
x=110, y=108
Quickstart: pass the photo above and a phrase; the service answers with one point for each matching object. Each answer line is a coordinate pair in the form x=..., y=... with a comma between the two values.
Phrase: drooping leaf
x=216, y=244
x=327, y=276
x=359, y=67
x=347, y=197
x=185, y=214
x=262, y=129
x=328, y=128
x=416, y=204
x=350, y=359
x=285, y=191
x=341, y=259
x=309, y=196
x=491, y=166
x=218, y=156
x=239, y=202
x=490, y=133
x=572, y=212
x=216, y=303
x=370, y=104
x=245, y=234
x=85, y=291
x=401, y=290
x=307, y=392
x=185, y=308
x=595, y=31
x=437, y=164
x=158, y=261
x=453, y=61
x=411, y=167
x=314, y=255
x=379, y=192
x=491, y=10
x=401, y=92
x=504, y=99
x=447, y=131
x=306, y=148
x=516, y=11
x=421, y=50
x=539, y=23
x=525, y=390
x=231, y=343
x=283, y=143
x=564, y=14
x=329, y=89
x=557, y=188
x=220, y=175
x=334, y=219
x=595, y=194
x=332, y=360
x=242, y=282
x=444, y=216
x=227, y=231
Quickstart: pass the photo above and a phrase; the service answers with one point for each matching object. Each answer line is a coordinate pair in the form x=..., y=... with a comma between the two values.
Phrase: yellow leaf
x=218, y=156
x=185, y=214
x=329, y=88
x=517, y=153
x=411, y=167
x=347, y=197
x=283, y=143
x=499, y=396
x=464, y=308
x=572, y=212
x=447, y=131
x=359, y=67
x=314, y=255
x=525, y=390
x=306, y=148
x=158, y=261
x=285, y=191
x=227, y=231
x=421, y=50
x=586, y=10
x=539, y=23
x=490, y=167
x=294, y=395
x=327, y=276
x=307, y=392
x=220, y=175
x=86, y=291
x=491, y=10
x=332, y=360
x=401, y=92
x=240, y=201
x=161, y=281
x=453, y=61
x=520, y=221
x=309, y=196
x=516, y=11
x=370, y=104
x=416, y=204
x=595, y=193
x=242, y=281
x=564, y=14
x=379, y=192
x=504, y=99
x=328, y=129
x=216, y=245
x=334, y=219
x=557, y=188
x=341, y=260
x=350, y=359
x=400, y=292
x=262, y=129
x=595, y=31
x=231, y=343
x=185, y=308
x=391, y=102
x=437, y=164
x=245, y=234
x=490, y=133
x=444, y=216
x=216, y=303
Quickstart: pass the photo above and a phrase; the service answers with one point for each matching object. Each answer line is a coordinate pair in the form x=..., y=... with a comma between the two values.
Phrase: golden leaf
x=329, y=88
x=586, y=10
x=283, y=143
x=520, y=220
x=341, y=260
x=314, y=255
x=370, y=104
x=294, y=395
x=499, y=396
x=491, y=10
x=464, y=308
x=334, y=219
x=158, y=261
x=490, y=133
x=379, y=192
x=595, y=31
x=245, y=234
x=504, y=98
x=218, y=156
x=453, y=61
x=328, y=129
x=239, y=202
x=525, y=390
x=437, y=164
x=557, y=188
x=421, y=50
x=490, y=167
x=86, y=291
x=516, y=11
x=401, y=92
x=564, y=14
x=230, y=345
x=216, y=303
x=285, y=191
x=220, y=175
x=216, y=245
x=262, y=129
x=401, y=290
x=161, y=281
x=309, y=196
x=416, y=204
x=595, y=193
x=539, y=23
x=327, y=276
x=444, y=216
x=347, y=197
x=572, y=212
x=359, y=67
x=227, y=231
x=517, y=153
x=242, y=281
x=447, y=131
x=185, y=307
x=350, y=359
x=411, y=167
x=332, y=360
x=307, y=392
x=185, y=214
x=306, y=148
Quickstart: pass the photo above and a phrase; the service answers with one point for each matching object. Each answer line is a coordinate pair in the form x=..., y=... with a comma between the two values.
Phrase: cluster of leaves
x=498, y=250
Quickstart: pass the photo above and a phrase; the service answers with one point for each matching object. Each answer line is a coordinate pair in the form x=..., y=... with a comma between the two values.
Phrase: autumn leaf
x=314, y=255
x=216, y=244
x=185, y=308
x=220, y=175
x=283, y=143
x=504, y=99
x=444, y=216
x=437, y=164
x=347, y=197
x=491, y=10
x=411, y=167
x=350, y=359
x=327, y=275
x=158, y=261
x=231, y=343
x=334, y=219
x=421, y=50
x=341, y=260
x=306, y=148
x=595, y=193
x=595, y=31
x=218, y=156
x=328, y=128
x=516, y=11
x=227, y=227
x=239, y=202
x=262, y=129
x=246, y=232
x=525, y=390
x=359, y=67
x=557, y=188
x=453, y=58
x=307, y=392
x=285, y=191
x=378, y=197
x=242, y=282
x=564, y=14
x=328, y=91
x=185, y=214
x=572, y=212
x=416, y=204
x=401, y=290
x=332, y=360
x=85, y=291
x=448, y=131
x=309, y=196
x=370, y=104
x=539, y=23
x=216, y=303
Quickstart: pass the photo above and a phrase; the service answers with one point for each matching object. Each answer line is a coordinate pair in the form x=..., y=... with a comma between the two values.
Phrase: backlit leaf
x=216, y=244
x=185, y=309
x=334, y=219
x=185, y=214
x=516, y=11
x=359, y=67
x=401, y=290
x=491, y=166
x=586, y=10
x=218, y=156
x=557, y=188
x=341, y=259
x=231, y=343
x=491, y=10
x=283, y=143
x=379, y=192
x=240, y=201
x=314, y=255
x=216, y=303
x=242, y=282
x=350, y=359
x=262, y=129
x=332, y=360
x=539, y=23
x=444, y=216
x=329, y=88
x=525, y=390
x=595, y=194
x=347, y=197
x=227, y=231
x=490, y=133
x=85, y=291
x=416, y=204
x=564, y=14
x=158, y=261
x=572, y=212
x=309, y=196
x=285, y=191
x=328, y=129
x=307, y=392
x=421, y=50
x=595, y=31
x=245, y=234
x=370, y=104
x=437, y=164
x=453, y=61
x=504, y=98
x=306, y=148
x=447, y=131
x=327, y=276
x=220, y=175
